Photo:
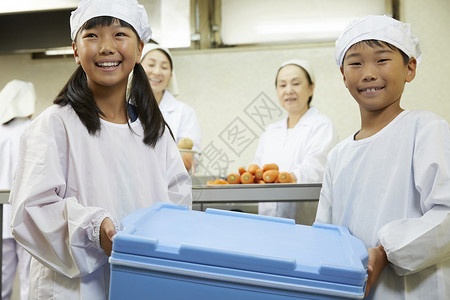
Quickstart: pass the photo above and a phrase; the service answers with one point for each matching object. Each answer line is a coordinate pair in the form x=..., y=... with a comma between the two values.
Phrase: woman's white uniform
x=301, y=150
x=393, y=189
x=13, y=255
x=68, y=181
x=181, y=119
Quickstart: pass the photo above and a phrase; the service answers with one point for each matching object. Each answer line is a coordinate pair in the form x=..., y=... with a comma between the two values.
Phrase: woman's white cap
x=129, y=11
x=381, y=28
x=173, y=86
x=17, y=100
x=302, y=64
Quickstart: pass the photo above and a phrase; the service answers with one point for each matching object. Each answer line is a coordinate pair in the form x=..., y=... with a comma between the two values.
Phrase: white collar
x=168, y=102
x=306, y=120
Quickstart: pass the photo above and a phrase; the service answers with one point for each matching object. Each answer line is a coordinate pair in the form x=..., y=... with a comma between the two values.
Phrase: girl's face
x=293, y=89
x=376, y=76
x=107, y=54
x=157, y=66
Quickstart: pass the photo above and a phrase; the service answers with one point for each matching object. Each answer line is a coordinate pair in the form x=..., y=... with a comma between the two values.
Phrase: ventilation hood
x=35, y=25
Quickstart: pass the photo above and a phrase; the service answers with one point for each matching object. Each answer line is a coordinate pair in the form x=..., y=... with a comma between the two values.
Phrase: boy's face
x=375, y=76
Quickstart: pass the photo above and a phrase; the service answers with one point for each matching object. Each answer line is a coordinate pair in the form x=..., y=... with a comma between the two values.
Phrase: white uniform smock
x=9, y=149
x=301, y=150
x=68, y=181
x=181, y=119
x=13, y=255
x=393, y=189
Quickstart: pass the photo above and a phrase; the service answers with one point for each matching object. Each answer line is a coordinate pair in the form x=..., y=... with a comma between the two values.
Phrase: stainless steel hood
x=36, y=31
x=21, y=6
x=34, y=26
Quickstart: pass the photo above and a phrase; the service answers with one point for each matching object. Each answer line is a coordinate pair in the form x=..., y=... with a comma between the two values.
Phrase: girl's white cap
x=173, y=86
x=129, y=11
x=17, y=100
x=302, y=64
x=381, y=28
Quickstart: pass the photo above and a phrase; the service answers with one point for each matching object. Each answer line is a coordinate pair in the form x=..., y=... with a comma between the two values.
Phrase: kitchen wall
x=232, y=90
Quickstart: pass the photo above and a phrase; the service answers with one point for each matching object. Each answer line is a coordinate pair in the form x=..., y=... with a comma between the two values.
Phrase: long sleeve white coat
x=393, y=189
x=181, y=119
x=9, y=149
x=68, y=181
x=301, y=150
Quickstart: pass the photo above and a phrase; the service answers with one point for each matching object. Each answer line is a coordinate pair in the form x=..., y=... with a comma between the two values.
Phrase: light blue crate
x=171, y=252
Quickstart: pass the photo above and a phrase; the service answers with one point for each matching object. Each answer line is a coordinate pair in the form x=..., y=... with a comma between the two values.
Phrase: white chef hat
x=17, y=99
x=381, y=28
x=302, y=64
x=129, y=11
x=173, y=86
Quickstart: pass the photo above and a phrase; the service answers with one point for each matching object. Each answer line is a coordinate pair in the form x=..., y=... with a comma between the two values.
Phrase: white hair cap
x=17, y=100
x=381, y=28
x=129, y=11
x=302, y=64
x=173, y=86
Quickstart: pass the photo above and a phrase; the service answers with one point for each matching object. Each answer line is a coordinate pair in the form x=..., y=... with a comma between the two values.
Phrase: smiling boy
x=389, y=183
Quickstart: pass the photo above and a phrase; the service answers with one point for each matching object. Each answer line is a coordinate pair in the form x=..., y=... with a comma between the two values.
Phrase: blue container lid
x=245, y=242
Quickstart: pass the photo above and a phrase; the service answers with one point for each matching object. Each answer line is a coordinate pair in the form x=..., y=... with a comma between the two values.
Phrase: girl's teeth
x=371, y=90
x=109, y=64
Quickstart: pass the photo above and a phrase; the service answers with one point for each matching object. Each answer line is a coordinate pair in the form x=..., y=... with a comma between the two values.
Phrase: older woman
x=181, y=118
x=299, y=143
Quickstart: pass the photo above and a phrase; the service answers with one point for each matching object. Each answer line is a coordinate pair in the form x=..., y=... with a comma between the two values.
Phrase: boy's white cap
x=17, y=99
x=129, y=11
x=302, y=64
x=173, y=86
x=381, y=28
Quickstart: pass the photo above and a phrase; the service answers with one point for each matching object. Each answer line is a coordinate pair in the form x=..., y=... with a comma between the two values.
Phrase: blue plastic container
x=171, y=252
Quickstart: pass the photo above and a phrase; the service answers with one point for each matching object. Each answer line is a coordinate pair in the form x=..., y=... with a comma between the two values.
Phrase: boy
x=390, y=182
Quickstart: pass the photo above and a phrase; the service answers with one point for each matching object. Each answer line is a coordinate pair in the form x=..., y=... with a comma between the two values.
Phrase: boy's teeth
x=371, y=90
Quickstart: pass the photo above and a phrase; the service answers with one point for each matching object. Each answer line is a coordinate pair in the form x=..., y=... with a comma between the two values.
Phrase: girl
x=92, y=158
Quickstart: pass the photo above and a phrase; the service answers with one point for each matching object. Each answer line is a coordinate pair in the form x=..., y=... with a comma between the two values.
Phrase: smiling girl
x=93, y=157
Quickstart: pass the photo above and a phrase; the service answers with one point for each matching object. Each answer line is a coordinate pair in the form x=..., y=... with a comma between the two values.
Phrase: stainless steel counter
x=244, y=197
x=256, y=192
x=4, y=196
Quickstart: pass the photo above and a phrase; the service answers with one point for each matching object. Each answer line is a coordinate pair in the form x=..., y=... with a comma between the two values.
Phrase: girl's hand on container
x=107, y=231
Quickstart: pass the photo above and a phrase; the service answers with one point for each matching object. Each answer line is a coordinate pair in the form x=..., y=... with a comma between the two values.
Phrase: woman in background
x=299, y=143
x=17, y=101
x=181, y=118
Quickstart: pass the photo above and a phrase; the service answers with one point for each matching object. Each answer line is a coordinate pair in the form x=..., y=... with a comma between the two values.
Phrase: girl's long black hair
x=77, y=94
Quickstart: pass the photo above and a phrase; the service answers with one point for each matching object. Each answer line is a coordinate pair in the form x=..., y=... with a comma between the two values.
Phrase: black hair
x=378, y=43
x=310, y=82
x=77, y=94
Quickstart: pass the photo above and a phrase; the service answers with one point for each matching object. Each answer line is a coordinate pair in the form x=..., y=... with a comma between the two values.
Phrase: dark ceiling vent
x=34, y=31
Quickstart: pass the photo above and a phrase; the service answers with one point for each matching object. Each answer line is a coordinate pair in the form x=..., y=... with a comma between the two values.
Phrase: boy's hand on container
x=107, y=231
x=377, y=261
